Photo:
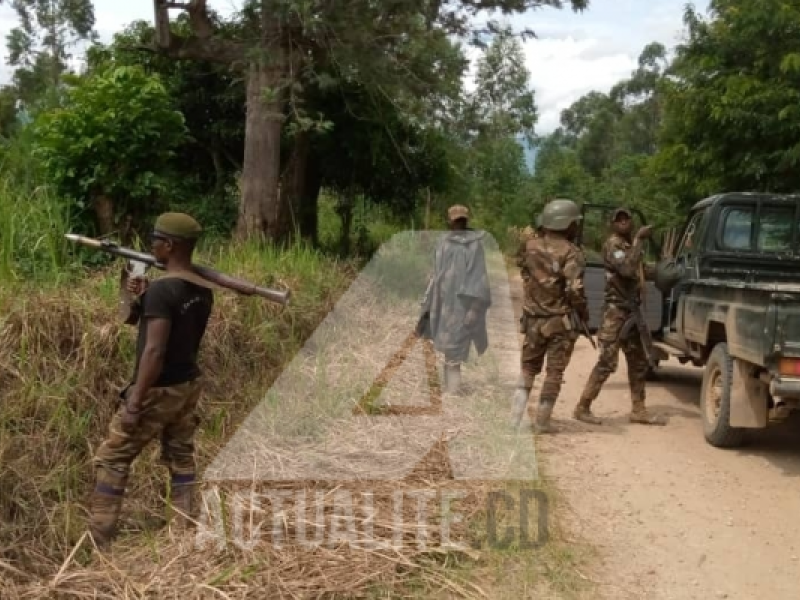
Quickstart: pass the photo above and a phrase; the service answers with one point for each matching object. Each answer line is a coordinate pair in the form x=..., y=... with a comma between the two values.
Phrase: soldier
x=162, y=396
x=527, y=234
x=623, y=258
x=555, y=289
x=459, y=296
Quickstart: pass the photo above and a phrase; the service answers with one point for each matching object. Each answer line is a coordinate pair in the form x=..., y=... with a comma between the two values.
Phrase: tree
x=108, y=148
x=503, y=104
x=211, y=99
x=640, y=99
x=732, y=102
x=283, y=41
x=39, y=46
x=590, y=127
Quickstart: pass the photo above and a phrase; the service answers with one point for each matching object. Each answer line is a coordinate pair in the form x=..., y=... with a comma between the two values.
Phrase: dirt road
x=670, y=516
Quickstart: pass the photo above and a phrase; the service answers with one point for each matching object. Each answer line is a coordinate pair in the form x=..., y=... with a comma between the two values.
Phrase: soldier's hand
x=129, y=420
x=136, y=285
x=644, y=232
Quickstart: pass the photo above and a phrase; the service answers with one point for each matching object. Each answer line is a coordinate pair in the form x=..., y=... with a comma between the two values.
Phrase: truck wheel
x=715, y=400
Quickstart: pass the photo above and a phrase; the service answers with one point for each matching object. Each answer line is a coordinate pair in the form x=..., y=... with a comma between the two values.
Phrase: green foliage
x=33, y=220
x=731, y=113
x=503, y=103
x=603, y=151
x=113, y=138
x=39, y=46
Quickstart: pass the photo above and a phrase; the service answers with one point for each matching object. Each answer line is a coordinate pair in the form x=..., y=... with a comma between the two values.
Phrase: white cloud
x=561, y=73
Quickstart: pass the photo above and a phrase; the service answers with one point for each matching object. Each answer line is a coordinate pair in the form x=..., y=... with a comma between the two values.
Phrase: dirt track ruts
x=670, y=516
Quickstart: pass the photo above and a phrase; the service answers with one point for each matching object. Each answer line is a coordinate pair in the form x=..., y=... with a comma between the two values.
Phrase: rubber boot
x=542, y=423
x=640, y=415
x=583, y=412
x=181, y=496
x=452, y=378
x=105, y=506
x=519, y=403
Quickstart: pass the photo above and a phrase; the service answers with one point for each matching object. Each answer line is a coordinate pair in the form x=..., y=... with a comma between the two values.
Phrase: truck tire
x=715, y=400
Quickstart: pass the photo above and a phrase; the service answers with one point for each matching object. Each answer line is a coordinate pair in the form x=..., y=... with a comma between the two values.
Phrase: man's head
x=622, y=221
x=561, y=215
x=457, y=217
x=174, y=236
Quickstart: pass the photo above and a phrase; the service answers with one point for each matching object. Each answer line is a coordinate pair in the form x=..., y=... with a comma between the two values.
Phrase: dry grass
x=323, y=430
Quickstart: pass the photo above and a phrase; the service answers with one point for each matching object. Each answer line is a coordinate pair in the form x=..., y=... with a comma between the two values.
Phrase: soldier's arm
x=574, y=268
x=625, y=262
x=520, y=257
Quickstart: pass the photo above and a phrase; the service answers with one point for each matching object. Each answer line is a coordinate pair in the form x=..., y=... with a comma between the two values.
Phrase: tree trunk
x=260, y=208
x=104, y=213
x=345, y=210
x=300, y=189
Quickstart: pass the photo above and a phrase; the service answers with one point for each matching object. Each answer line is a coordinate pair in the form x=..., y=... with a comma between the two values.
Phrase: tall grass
x=32, y=227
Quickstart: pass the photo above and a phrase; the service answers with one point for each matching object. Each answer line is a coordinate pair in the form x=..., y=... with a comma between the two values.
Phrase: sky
x=574, y=53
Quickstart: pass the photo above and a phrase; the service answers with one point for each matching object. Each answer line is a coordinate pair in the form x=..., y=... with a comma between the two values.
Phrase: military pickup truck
x=730, y=303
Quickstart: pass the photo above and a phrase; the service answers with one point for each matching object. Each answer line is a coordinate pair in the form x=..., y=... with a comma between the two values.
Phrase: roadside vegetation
x=372, y=143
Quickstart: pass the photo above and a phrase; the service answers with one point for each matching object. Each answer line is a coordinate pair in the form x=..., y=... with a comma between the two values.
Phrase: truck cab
x=730, y=303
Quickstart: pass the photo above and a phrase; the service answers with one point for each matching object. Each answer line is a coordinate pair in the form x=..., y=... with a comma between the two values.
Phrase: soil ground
x=670, y=516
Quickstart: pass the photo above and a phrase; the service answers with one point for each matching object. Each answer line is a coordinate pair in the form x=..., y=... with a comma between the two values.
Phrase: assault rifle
x=636, y=319
x=139, y=262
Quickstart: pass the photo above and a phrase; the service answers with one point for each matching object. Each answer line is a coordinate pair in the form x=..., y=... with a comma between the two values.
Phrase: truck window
x=737, y=226
x=775, y=229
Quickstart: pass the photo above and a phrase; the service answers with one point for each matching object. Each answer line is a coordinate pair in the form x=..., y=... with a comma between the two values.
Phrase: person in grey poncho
x=458, y=296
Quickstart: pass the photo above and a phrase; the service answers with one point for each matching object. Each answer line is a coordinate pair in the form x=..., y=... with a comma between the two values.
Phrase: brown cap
x=621, y=211
x=457, y=211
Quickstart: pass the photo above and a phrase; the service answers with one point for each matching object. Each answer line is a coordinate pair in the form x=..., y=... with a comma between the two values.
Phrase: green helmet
x=559, y=214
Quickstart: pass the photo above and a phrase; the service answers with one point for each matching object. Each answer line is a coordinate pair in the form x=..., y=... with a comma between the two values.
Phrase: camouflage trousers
x=546, y=337
x=609, y=346
x=168, y=412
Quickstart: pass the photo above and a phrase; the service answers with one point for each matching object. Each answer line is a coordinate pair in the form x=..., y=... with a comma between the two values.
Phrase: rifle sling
x=191, y=277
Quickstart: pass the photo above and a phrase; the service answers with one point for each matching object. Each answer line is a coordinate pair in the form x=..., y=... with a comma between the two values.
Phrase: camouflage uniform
x=166, y=411
x=167, y=408
x=529, y=233
x=622, y=259
x=553, y=291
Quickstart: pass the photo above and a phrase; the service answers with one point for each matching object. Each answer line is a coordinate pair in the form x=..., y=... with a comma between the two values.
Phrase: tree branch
x=212, y=49
x=201, y=45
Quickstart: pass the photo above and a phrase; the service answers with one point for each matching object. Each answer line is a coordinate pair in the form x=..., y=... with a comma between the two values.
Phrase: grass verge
x=64, y=355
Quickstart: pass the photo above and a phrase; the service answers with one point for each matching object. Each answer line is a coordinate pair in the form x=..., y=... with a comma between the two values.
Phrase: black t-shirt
x=188, y=307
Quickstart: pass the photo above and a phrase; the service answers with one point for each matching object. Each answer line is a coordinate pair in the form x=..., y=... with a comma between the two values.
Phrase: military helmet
x=559, y=214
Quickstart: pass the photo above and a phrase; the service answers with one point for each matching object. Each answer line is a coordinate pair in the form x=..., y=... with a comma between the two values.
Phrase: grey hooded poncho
x=460, y=281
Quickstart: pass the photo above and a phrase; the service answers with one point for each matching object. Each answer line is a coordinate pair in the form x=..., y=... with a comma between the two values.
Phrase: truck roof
x=788, y=198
